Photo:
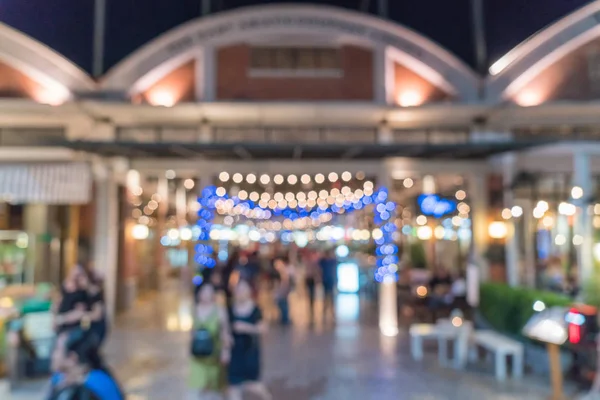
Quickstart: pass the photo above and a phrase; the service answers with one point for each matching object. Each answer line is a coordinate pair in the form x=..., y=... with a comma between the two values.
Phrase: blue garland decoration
x=387, y=251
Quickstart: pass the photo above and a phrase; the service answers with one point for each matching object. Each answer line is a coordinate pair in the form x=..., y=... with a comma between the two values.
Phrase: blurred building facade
x=293, y=89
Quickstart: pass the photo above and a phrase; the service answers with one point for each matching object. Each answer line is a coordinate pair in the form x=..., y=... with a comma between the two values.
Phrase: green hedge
x=508, y=309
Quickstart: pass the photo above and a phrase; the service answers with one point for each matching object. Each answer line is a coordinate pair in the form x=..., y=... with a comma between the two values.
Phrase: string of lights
x=294, y=209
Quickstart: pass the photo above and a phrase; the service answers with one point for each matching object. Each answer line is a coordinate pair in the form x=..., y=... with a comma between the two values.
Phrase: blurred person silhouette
x=211, y=343
x=311, y=276
x=78, y=371
x=554, y=275
x=247, y=327
x=440, y=286
x=328, y=265
x=250, y=272
x=71, y=309
x=96, y=308
x=228, y=270
x=283, y=289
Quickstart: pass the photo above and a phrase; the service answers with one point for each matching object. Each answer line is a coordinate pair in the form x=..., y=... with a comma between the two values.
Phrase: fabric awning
x=49, y=183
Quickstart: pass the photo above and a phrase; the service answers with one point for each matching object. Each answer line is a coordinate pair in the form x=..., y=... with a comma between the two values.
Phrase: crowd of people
x=225, y=350
x=80, y=322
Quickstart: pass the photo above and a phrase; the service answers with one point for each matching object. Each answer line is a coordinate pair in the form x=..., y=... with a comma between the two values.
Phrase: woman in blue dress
x=247, y=326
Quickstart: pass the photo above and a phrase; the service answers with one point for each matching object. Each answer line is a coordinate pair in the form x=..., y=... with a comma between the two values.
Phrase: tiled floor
x=349, y=360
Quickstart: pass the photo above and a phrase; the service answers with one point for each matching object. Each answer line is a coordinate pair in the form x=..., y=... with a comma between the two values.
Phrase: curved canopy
x=519, y=66
x=57, y=75
x=184, y=42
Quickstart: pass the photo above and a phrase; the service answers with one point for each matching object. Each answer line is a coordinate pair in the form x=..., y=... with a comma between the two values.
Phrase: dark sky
x=66, y=25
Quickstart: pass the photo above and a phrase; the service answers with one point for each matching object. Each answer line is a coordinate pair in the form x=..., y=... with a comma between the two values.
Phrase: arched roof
x=43, y=65
x=526, y=61
x=161, y=55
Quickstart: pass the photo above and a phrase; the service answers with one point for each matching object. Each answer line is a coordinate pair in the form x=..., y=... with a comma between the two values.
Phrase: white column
x=106, y=235
x=379, y=75
x=477, y=192
x=388, y=309
x=181, y=204
x=35, y=221
x=388, y=299
x=160, y=271
x=528, y=238
x=582, y=177
x=390, y=79
x=512, y=240
x=206, y=75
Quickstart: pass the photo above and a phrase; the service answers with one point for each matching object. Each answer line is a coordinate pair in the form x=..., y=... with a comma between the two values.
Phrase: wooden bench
x=501, y=347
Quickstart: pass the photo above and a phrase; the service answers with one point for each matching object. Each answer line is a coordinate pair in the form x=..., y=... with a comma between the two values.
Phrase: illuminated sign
x=435, y=206
x=348, y=278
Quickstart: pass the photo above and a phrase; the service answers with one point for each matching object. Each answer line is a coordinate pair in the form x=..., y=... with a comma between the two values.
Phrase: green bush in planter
x=591, y=291
x=508, y=309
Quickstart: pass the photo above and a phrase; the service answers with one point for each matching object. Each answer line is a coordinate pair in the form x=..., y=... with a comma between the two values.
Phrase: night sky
x=66, y=25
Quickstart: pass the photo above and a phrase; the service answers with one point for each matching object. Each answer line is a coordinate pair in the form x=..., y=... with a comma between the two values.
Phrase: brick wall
x=567, y=79
x=234, y=83
x=407, y=80
x=180, y=83
x=16, y=84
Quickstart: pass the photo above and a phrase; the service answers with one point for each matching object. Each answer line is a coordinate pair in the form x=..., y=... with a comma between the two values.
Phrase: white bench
x=4, y=389
x=443, y=331
x=502, y=347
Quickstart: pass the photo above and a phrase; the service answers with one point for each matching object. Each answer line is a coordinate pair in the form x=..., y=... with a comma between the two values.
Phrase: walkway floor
x=349, y=360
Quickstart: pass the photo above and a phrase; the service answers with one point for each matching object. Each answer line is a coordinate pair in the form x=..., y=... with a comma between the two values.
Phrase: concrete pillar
x=528, y=238
x=181, y=205
x=379, y=75
x=158, y=272
x=35, y=222
x=71, y=238
x=512, y=240
x=206, y=75
x=106, y=235
x=390, y=79
x=44, y=253
x=388, y=298
x=478, y=193
x=583, y=226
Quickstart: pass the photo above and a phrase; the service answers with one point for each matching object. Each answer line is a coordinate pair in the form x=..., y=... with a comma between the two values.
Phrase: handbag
x=203, y=344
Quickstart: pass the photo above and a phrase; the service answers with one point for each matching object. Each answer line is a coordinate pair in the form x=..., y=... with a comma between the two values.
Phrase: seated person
x=78, y=370
x=459, y=286
x=441, y=281
x=439, y=286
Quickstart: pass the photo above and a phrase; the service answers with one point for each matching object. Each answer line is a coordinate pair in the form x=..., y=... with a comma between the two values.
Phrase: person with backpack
x=78, y=371
x=211, y=343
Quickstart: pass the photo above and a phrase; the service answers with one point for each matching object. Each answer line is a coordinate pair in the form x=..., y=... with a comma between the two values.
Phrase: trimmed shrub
x=508, y=309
